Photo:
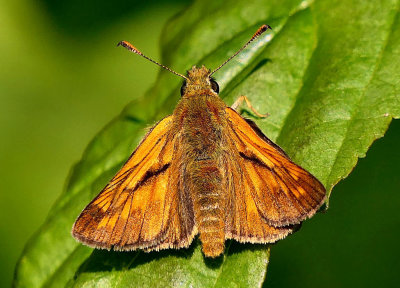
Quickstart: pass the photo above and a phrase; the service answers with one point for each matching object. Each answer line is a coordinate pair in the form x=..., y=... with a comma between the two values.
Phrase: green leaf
x=328, y=74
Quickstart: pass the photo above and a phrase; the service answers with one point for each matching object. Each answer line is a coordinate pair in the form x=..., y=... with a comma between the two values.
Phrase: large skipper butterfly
x=203, y=170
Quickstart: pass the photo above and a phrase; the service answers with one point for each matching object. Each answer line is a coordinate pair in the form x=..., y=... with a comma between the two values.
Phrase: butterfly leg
x=239, y=102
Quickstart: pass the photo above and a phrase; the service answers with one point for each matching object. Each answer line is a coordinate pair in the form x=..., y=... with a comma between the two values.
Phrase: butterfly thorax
x=201, y=121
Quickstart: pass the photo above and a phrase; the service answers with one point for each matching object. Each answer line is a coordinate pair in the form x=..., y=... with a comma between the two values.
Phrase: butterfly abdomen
x=202, y=126
x=208, y=200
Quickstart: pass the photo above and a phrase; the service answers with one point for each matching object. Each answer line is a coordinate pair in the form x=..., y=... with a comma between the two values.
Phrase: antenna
x=133, y=49
x=260, y=31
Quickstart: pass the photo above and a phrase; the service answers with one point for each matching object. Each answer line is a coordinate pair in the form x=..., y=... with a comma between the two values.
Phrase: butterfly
x=202, y=170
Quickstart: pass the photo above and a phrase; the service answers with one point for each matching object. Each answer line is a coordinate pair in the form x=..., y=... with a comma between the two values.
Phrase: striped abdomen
x=206, y=182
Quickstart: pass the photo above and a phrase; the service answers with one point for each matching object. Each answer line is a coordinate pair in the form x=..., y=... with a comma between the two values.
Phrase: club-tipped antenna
x=260, y=31
x=133, y=49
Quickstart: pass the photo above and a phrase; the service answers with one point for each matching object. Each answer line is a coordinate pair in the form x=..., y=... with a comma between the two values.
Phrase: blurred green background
x=60, y=83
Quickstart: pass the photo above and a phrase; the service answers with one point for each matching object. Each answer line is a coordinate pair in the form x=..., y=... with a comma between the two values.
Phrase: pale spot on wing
x=301, y=190
x=103, y=222
x=105, y=207
x=125, y=210
x=113, y=220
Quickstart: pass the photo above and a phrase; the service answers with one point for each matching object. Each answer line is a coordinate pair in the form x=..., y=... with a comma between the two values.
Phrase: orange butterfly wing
x=142, y=206
x=274, y=187
x=244, y=223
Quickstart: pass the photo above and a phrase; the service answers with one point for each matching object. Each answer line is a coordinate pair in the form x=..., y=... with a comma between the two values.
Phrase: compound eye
x=214, y=85
x=183, y=87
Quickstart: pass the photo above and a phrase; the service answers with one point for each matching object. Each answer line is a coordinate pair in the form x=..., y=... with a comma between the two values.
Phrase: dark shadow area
x=355, y=243
x=79, y=18
x=214, y=263
x=236, y=247
x=144, y=257
x=103, y=260
x=107, y=261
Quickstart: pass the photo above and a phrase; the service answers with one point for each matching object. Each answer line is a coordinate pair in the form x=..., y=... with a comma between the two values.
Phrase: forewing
x=283, y=192
x=140, y=206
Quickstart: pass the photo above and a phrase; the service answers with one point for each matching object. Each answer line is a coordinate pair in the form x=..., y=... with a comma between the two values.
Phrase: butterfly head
x=198, y=82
